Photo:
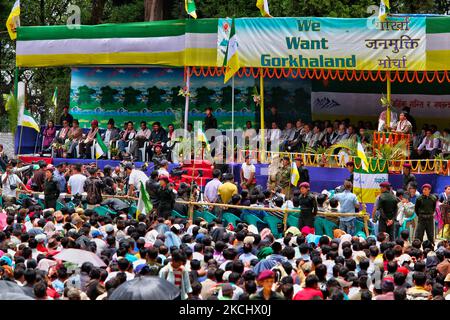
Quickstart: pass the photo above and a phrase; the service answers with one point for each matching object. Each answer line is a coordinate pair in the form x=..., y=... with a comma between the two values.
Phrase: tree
x=107, y=95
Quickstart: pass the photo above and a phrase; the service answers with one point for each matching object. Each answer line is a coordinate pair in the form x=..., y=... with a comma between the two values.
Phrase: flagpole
x=186, y=105
x=232, y=118
x=261, y=108
x=16, y=96
x=388, y=108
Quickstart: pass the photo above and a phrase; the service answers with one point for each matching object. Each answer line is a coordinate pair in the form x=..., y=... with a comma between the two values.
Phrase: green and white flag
x=366, y=184
x=190, y=7
x=144, y=205
x=100, y=147
x=55, y=98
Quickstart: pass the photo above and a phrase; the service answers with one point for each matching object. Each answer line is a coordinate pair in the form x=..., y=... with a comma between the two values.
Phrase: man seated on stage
x=287, y=135
x=141, y=137
x=86, y=144
x=61, y=137
x=158, y=135
x=75, y=135
x=429, y=146
x=111, y=134
x=328, y=136
x=317, y=136
x=341, y=134
x=127, y=136
x=308, y=134
x=402, y=125
x=295, y=143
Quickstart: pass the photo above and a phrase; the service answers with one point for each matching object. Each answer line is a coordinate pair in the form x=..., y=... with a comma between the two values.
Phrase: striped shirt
x=178, y=277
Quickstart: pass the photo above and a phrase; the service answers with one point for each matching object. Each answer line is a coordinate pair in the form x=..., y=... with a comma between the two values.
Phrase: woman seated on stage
x=48, y=136
x=74, y=137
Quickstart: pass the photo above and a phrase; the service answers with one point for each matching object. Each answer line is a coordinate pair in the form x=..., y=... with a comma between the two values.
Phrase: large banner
x=328, y=43
x=153, y=94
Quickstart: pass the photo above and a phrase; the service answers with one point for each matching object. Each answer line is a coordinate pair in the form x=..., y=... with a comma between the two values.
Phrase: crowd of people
x=295, y=136
x=215, y=259
x=156, y=143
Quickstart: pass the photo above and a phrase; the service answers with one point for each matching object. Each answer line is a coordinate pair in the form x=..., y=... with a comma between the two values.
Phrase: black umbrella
x=146, y=288
x=12, y=291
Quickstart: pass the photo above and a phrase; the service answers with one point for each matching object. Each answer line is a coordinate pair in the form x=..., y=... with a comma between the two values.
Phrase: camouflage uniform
x=284, y=178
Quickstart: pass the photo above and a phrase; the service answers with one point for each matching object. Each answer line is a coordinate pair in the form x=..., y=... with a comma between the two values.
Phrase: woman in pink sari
x=49, y=135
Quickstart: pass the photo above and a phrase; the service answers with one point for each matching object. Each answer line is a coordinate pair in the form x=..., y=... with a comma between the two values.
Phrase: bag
x=94, y=195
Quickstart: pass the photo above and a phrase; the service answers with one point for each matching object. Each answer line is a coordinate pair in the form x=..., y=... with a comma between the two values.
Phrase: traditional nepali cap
x=266, y=274
x=385, y=184
x=304, y=184
x=158, y=144
x=94, y=122
x=426, y=185
x=407, y=165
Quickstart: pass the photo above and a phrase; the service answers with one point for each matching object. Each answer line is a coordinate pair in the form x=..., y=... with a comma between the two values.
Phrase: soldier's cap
x=385, y=184
x=304, y=184
x=406, y=165
x=426, y=185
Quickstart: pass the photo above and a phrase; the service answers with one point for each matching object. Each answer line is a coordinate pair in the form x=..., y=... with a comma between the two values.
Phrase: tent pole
x=261, y=108
x=388, y=109
x=232, y=119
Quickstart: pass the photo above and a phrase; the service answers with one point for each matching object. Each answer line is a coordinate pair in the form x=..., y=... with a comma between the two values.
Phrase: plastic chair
x=59, y=205
x=292, y=220
x=254, y=220
x=228, y=218
x=103, y=211
x=274, y=224
x=208, y=216
x=176, y=214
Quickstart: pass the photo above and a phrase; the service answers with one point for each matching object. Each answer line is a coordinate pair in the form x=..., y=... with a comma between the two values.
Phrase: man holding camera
x=10, y=182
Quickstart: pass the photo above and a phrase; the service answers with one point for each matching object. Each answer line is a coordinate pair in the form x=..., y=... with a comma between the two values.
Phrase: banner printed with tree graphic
x=153, y=94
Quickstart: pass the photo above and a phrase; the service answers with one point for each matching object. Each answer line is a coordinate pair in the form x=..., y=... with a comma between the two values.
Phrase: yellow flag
x=13, y=20
x=384, y=10
x=263, y=6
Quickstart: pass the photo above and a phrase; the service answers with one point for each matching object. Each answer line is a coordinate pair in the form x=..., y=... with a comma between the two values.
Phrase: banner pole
x=232, y=118
x=261, y=108
x=16, y=97
x=186, y=106
x=388, y=109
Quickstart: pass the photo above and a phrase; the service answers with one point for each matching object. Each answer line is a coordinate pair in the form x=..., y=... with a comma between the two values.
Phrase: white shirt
x=107, y=136
x=101, y=245
x=112, y=275
x=76, y=183
x=136, y=176
x=12, y=179
x=247, y=169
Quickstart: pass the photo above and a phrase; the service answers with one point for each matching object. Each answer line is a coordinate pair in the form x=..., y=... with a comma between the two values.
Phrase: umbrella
x=12, y=291
x=14, y=296
x=79, y=256
x=146, y=288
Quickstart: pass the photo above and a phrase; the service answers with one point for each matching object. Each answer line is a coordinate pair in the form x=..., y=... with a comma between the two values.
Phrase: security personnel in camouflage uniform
x=387, y=206
x=425, y=208
x=284, y=176
x=308, y=207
